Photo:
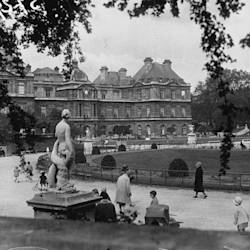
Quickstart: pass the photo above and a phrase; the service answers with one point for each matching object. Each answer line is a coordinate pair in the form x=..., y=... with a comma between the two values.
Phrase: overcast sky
x=118, y=41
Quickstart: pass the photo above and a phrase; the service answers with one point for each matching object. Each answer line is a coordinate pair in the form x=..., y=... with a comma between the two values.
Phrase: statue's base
x=64, y=205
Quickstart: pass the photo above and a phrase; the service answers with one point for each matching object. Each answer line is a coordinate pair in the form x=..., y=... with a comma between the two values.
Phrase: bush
x=154, y=146
x=44, y=162
x=96, y=150
x=108, y=162
x=122, y=148
x=79, y=153
x=178, y=168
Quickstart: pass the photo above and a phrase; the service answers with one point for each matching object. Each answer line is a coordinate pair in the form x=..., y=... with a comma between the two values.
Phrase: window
x=172, y=94
x=95, y=94
x=172, y=112
x=43, y=111
x=183, y=112
x=183, y=94
x=128, y=113
x=115, y=113
x=148, y=111
x=162, y=112
x=139, y=130
x=139, y=113
x=138, y=94
x=161, y=93
x=21, y=89
x=103, y=94
x=163, y=130
x=147, y=93
x=47, y=92
x=94, y=109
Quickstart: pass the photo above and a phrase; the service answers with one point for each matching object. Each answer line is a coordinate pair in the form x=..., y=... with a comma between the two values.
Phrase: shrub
x=154, y=146
x=79, y=153
x=122, y=147
x=108, y=162
x=96, y=150
x=178, y=168
x=44, y=162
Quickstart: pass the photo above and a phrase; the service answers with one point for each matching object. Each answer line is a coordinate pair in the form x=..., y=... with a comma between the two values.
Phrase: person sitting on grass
x=43, y=181
x=241, y=217
x=154, y=201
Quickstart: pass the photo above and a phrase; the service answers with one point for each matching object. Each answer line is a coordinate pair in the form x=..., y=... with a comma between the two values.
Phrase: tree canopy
x=52, y=27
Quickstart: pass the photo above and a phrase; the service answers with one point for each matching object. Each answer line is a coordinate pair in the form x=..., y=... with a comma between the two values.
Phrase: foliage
x=214, y=42
x=108, y=162
x=171, y=129
x=178, y=168
x=122, y=147
x=79, y=155
x=154, y=146
x=96, y=150
x=122, y=130
x=6, y=132
x=75, y=130
x=44, y=162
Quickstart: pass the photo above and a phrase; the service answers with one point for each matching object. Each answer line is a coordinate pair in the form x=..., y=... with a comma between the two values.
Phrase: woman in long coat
x=198, y=183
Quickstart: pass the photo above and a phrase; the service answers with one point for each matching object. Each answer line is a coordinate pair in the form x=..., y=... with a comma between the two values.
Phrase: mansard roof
x=154, y=71
x=113, y=78
x=46, y=70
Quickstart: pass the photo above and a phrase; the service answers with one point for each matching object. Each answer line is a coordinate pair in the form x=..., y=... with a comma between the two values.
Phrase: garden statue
x=62, y=155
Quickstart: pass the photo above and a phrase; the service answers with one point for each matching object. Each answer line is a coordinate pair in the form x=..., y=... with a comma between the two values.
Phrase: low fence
x=211, y=180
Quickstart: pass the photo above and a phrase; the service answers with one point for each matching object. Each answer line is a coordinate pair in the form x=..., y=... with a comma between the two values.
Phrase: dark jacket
x=105, y=195
x=198, y=183
x=105, y=212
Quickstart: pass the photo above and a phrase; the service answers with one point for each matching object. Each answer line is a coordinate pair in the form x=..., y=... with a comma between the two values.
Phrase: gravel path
x=214, y=213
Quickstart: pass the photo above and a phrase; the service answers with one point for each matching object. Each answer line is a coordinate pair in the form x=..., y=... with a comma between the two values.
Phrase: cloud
x=118, y=41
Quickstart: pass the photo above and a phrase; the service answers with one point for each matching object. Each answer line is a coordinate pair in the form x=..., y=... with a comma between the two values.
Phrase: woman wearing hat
x=241, y=217
x=198, y=183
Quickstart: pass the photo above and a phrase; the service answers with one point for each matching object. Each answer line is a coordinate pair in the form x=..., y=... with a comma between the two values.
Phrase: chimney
x=167, y=62
x=28, y=68
x=104, y=72
x=75, y=64
x=148, y=60
x=122, y=73
x=56, y=69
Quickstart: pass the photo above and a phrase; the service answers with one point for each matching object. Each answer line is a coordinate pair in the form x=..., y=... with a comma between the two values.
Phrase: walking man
x=123, y=192
x=198, y=183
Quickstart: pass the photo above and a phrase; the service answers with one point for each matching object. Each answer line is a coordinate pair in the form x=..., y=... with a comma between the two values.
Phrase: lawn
x=160, y=159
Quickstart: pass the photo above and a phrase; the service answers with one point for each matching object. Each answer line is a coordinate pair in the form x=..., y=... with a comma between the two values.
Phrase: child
x=29, y=171
x=154, y=201
x=43, y=181
x=16, y=174
x=241, y=217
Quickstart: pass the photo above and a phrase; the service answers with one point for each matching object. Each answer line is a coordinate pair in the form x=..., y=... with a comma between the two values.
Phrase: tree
x=51, y=25
x=214, y=42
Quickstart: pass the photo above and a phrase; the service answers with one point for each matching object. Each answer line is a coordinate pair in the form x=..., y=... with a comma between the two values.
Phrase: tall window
x=172, y=94
x=172, y=112
x=43, y=111
x=48, y=92
x=162, y=113
x=95, y=94
x=148, y=111
x=103, y=94
x=161, y=93
x=128, y=113
x=183, y=94
x=115, y=113
x=21, y=89
x=183, y=112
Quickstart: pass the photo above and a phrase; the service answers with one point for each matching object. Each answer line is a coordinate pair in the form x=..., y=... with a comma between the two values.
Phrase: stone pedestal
x=64, y=205
x=88, y=146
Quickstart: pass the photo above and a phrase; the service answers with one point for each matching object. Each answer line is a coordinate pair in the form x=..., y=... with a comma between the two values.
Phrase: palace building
x=154, y=102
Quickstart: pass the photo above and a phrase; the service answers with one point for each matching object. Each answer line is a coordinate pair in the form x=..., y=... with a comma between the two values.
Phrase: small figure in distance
x=242, y=145
x=104, y=194
x=154, y=201
x=241, y=217
x=43, y=181
x=95, y=191
x=29, y=171
x=198, y=183
x=16, y=174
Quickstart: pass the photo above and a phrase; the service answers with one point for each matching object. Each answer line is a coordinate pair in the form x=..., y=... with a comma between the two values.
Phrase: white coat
x=123, y=192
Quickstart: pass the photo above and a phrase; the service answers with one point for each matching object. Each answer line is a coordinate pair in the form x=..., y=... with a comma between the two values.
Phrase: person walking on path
x=123, y=192
x=241, y=217
x=198, y=183
x=16, y=174
x=29, y=171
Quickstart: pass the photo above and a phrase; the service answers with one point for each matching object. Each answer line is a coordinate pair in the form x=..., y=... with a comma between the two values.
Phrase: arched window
x=163, y=130
x=139, y=130
x=148, y=130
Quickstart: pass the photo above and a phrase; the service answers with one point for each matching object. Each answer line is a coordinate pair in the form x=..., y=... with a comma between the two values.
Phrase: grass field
x=160, y=159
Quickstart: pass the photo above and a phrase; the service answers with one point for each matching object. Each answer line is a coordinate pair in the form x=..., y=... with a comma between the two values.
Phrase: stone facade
x=155, y=102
